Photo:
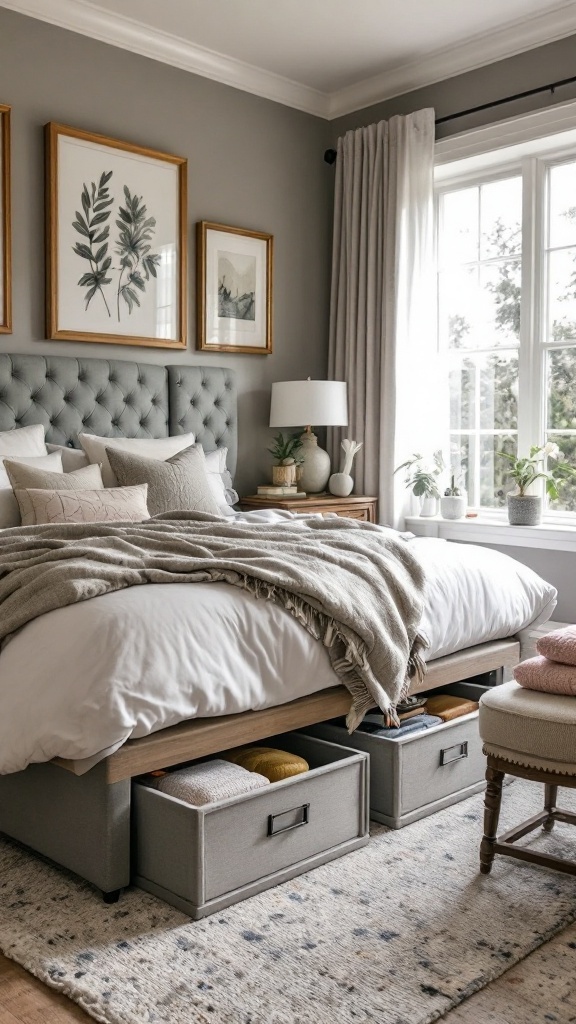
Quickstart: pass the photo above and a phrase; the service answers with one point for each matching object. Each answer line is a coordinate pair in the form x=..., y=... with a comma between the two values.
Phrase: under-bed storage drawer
x=202, y=859
x=421, y=773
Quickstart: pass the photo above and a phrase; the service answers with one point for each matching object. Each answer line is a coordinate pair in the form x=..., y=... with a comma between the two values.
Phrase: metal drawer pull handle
x=304, y=819
x=448, y=755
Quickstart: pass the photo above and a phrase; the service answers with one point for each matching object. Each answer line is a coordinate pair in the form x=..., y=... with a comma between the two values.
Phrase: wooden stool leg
x=550, y=793
x=492, y=801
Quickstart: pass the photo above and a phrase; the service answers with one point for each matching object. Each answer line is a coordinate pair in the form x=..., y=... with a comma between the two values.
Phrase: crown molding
x=128, y=34
x=117, y=30
x=514, y=38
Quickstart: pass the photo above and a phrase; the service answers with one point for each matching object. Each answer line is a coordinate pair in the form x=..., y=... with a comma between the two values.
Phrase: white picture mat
x=157, y=181
x=229, y=331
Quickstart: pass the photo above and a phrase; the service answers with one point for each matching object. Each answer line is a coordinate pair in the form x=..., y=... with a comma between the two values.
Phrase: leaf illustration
x=135, y=232
x=95, y=202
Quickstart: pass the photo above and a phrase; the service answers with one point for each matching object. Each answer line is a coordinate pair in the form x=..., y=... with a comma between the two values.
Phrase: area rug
x=397, y=932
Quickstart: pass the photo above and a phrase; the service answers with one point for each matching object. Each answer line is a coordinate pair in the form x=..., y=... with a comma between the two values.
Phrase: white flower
x=551, y=450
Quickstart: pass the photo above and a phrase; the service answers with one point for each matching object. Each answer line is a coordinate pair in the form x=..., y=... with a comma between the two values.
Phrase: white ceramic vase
x=340, y=484
x=453, y=506
x=429, y=506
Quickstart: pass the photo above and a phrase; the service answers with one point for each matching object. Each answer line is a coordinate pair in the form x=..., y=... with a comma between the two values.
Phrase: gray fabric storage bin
x=202, y=859
x=421, y=773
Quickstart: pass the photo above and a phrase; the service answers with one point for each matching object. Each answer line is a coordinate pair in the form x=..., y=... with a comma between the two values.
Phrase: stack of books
x=271, y=491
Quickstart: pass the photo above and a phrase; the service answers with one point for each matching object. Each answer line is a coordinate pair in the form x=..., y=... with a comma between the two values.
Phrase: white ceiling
x=325, y=56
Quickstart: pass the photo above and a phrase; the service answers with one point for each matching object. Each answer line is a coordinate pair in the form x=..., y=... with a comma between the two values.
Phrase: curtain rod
x=330, y=154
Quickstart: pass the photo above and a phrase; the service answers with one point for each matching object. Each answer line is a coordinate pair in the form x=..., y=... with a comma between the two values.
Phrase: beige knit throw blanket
x=354, y=586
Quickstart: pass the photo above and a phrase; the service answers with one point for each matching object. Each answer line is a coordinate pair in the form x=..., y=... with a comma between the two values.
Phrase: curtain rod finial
x=330, y=156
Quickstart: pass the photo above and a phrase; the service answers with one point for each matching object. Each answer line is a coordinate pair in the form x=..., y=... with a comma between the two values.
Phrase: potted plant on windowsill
x=422, y=480
x=454, y=501
x=526, y=509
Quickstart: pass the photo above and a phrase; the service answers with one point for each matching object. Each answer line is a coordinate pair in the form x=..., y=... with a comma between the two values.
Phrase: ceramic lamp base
x=315, y=465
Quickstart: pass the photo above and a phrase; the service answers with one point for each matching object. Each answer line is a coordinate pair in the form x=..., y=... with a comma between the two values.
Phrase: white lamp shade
x=299, y=403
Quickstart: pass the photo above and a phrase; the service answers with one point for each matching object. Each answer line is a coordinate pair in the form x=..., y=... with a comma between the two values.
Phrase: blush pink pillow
x=549, y=676
x=559, y=645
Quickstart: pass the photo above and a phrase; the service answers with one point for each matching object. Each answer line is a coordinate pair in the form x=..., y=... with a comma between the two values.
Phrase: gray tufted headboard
x=116, y=398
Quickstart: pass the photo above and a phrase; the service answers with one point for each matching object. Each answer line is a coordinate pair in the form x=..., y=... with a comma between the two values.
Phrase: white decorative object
x=429, y=506
x=453, y=506
x=342, y=483
x=305, y=402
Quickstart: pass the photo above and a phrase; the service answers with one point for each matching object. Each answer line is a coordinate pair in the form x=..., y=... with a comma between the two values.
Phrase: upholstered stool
x=531, y=735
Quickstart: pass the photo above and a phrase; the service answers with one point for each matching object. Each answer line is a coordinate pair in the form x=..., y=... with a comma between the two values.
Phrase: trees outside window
x=507, y=321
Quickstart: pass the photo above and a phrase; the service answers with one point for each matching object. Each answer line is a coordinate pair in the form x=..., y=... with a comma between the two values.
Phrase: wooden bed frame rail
x=201, y=737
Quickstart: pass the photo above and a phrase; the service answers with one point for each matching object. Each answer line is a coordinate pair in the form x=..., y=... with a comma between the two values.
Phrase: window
x=507, y=318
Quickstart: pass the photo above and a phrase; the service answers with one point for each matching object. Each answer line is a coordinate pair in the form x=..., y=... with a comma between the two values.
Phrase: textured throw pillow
x=72, y=458
x=23, y=441
x=112, y=505
x=220, y=480
x=149, y=448
x=9, y=510
x=180, y=484
x=22, y=475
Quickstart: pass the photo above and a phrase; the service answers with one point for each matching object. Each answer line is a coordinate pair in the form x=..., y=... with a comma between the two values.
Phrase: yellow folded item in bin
x=447, y=707
x=275, y=765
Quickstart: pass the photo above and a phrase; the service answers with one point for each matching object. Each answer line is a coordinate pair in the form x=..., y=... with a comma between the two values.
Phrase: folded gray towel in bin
x=208, y=782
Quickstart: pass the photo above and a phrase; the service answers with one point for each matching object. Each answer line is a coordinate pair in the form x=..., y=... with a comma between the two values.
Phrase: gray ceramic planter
x=524, y=510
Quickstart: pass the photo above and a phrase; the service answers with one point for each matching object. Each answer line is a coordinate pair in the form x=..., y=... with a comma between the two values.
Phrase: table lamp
x=306, y=402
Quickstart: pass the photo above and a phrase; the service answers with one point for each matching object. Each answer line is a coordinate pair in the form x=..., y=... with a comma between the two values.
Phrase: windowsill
x=480, y=530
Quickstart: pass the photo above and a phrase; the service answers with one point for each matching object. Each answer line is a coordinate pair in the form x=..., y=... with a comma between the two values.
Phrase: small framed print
x=116, y=238
x=5, y=246
x=235, y=268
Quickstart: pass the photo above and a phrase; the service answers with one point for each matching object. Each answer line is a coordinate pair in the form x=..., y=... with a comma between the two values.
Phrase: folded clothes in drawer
x=202, y=859
x=419, y=773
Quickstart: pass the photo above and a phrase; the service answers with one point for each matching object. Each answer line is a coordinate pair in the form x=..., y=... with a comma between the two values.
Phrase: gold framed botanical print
x=5, y=237
x=116, y=240
x=234, y=293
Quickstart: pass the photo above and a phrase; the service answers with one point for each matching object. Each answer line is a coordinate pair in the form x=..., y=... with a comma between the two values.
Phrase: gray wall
x=251, y=163
x=528, y=70
x=517, y=74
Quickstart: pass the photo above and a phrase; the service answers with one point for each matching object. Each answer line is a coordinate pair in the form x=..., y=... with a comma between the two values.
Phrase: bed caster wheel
x=111, y=897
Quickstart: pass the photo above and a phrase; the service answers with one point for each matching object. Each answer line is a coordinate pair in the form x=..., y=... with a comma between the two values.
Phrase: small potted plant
x=526, y=509
x=422, y=479
x=454, y=500
x=286, y=451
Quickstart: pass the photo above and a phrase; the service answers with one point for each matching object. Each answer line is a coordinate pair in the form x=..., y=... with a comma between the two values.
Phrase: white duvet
x=78, y=682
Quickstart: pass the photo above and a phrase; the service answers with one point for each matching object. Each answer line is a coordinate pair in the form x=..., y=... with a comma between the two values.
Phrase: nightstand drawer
x=353, y=513
x=356, y=506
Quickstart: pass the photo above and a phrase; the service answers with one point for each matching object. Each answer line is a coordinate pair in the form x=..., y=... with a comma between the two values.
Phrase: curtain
x=382, y=314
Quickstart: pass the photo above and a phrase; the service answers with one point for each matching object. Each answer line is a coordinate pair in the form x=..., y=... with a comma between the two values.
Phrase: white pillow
x=72, y=458
x=161, y=448
x=219, y=479
x=28, y=441
x=9, y=510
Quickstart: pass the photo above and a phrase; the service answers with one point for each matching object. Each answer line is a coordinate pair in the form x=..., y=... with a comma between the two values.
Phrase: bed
x=89, y=789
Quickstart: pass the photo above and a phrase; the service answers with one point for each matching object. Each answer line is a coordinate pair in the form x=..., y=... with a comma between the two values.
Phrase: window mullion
x=530, y=426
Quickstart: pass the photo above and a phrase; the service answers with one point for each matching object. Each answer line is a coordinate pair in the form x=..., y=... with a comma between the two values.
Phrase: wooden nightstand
x=356, y=506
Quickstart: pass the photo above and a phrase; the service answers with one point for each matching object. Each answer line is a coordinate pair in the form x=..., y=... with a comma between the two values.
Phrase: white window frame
x=527, y=145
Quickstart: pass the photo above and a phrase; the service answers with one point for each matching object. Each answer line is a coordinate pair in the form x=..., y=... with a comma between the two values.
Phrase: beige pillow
x=72, y=458
x=24, y=441
x=177, y=484
x=9, y=511
x=149, y=447
x=111, y=505
x=21, y=475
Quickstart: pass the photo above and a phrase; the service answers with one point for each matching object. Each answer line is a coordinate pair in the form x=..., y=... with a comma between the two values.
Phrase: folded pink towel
x=541, y=674
x=559, y=645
